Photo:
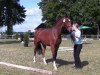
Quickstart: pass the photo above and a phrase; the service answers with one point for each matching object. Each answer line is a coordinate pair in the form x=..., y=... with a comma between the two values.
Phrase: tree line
x=84, y=12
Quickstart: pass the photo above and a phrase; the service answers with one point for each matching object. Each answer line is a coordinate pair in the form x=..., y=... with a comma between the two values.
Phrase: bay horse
x=50, y=37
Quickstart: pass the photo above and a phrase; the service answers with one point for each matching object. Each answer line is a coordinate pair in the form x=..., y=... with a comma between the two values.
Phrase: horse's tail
x=39, y=49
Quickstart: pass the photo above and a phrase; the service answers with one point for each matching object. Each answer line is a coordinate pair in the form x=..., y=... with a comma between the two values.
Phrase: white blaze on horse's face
x=64, y=20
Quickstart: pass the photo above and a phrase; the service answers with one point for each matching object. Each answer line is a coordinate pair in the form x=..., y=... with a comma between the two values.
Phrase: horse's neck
x=59, y=27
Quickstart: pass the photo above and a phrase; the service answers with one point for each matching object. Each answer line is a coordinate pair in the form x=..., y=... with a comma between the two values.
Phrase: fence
x=64, y=36
x=91, y=36
x=85, y=36
x=4, y=36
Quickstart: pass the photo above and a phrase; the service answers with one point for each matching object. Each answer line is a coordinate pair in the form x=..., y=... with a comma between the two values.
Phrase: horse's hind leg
x=36, y=46
x=43, y=53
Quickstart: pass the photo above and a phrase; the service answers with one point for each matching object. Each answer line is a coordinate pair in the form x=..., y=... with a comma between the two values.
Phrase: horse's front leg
x=43, y=53
x=54, y=54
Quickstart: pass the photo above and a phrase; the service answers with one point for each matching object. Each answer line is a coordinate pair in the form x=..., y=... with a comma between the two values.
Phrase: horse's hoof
x=34, y=61
x=55, y=69
x=45, y=63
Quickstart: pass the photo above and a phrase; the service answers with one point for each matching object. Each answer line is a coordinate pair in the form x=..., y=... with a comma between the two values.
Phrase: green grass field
x=11, y=51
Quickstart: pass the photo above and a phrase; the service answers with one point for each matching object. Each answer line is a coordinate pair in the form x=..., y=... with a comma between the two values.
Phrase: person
x=76, y=37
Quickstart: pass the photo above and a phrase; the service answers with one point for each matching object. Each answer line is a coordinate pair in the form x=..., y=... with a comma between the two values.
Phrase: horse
x=50, y=37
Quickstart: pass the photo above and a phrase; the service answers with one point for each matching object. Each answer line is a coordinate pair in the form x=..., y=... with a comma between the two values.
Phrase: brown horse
x=51, y=37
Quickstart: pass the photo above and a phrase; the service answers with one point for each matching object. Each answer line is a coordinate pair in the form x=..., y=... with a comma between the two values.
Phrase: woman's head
x=75, y=26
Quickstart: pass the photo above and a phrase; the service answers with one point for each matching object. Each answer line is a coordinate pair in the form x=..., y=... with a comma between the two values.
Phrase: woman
x=76, y=37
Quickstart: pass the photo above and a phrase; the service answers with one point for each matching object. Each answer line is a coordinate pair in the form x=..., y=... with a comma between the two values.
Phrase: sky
x=33, y=16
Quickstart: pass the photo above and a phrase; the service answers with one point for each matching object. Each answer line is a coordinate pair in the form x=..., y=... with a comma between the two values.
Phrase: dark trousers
x=77, y=50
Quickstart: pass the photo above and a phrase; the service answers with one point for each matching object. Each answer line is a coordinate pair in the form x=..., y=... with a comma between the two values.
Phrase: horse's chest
x=58, y=41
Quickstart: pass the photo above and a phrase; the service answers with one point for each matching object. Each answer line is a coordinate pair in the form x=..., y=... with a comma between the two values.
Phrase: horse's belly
x=46, y=42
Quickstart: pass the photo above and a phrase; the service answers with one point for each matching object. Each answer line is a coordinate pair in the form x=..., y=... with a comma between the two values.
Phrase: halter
x=67, y=20
x=64, y=20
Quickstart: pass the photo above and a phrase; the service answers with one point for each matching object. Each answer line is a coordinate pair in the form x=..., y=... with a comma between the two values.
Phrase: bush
x=16, y=36
x=21, y=37
x=26, y=39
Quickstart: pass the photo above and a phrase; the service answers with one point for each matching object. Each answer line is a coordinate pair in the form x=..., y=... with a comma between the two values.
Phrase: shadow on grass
x=9, y=42
x=87, y=43
x=84, y=63
x=61, y=62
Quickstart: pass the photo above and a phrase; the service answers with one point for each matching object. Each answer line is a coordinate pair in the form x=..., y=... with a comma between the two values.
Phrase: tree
x=87, y=12
x=81, y=11
x=52, y=10
x=11, y=13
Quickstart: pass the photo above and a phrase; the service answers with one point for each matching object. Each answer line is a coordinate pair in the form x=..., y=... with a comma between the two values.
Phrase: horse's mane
x=42, y=25
x=61, y=17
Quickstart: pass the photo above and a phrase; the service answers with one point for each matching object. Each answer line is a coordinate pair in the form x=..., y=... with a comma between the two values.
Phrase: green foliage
x=16, y=36
x=81, y=11
x=49, y=11
x=84, y=12
x=26, y=39
x=11, y=13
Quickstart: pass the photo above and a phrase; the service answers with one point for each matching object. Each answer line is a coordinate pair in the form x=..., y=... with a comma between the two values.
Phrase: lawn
x=12, y=51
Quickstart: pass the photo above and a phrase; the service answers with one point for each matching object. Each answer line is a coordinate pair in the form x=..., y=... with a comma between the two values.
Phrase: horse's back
x=42, y=35
x=42, y=31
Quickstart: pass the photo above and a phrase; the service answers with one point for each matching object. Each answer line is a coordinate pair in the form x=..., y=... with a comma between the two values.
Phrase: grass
x=11, y=51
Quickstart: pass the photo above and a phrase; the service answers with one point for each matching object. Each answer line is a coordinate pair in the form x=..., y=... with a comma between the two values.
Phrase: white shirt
x=77, y=36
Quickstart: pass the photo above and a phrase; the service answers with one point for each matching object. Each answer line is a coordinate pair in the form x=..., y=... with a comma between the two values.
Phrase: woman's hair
x=76, y=24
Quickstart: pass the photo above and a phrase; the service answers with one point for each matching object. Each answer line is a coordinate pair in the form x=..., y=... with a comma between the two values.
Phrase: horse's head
x=67, y=23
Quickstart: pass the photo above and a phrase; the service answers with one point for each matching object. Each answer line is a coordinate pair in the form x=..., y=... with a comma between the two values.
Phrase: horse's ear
x=64, y=20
